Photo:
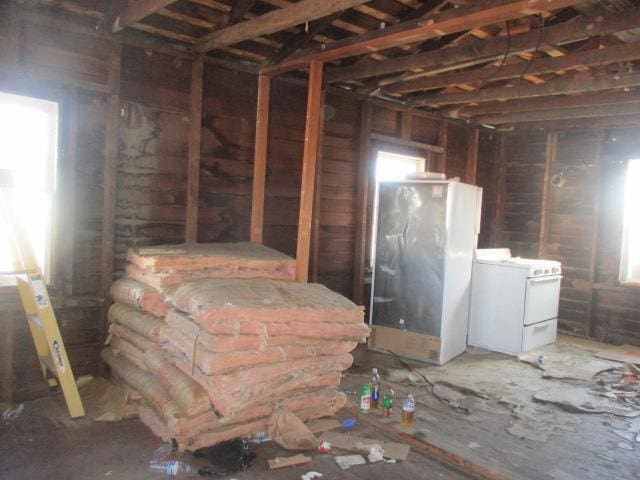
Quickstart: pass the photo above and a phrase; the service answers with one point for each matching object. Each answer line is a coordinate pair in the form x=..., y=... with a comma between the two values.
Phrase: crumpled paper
x=290, y=432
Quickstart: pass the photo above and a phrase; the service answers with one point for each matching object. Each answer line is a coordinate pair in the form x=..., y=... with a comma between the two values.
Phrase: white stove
x=514, y=301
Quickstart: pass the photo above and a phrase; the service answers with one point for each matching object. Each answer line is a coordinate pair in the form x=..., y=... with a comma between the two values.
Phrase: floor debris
x=347, y=461
x=622, y=353
x=281, y=462
x=310, y=475
x=578, y=398
x=567, y=363
x=397, y=451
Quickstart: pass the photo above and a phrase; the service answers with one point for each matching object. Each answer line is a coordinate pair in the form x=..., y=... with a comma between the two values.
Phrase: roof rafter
x=137, y=11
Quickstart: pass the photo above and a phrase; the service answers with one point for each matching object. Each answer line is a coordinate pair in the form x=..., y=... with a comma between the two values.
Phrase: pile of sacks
x=210, y=359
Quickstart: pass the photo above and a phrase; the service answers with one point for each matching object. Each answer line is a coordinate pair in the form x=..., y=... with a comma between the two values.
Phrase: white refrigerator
x=425, y=233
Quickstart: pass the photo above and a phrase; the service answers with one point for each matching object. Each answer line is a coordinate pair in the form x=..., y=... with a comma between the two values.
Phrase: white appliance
x=514, y=302
x=425, y=235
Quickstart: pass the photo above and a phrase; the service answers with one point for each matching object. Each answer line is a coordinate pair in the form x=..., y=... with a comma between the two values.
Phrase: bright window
x=28, y=157
x=630, y=256
x=393, y=166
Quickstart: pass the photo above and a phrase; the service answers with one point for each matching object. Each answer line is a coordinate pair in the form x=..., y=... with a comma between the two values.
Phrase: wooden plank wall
x=576, y=219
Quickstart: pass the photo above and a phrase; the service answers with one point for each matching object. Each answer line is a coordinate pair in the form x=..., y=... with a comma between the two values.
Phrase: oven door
x=541, y=299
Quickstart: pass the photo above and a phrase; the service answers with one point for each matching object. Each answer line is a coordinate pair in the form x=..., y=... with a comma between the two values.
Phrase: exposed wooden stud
x=549, y=162
x=309, y=160
x=260, y=158
x=481, y=51
x=443, y=138
x=554, y=87
x=238, y=10
x=109, y=173
x=405, y=125
x=137, y=11
x=472, y=157
x=562, y=113
x=589, y=58
x=550, y=103
x=496, y=232
x=317, y=200
x=478, y=14
x=295, y=14
x=195, y=141
x=406, y=143
x=362, y=200
x=595, y=233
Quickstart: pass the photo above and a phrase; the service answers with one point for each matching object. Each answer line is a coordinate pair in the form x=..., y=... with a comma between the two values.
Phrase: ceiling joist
x=137, y=11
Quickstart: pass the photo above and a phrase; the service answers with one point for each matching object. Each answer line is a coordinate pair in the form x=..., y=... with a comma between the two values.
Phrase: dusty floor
x=481, y=407
x=44, y=443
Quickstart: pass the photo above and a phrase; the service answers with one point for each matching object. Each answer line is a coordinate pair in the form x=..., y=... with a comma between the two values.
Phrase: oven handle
x=546, y=279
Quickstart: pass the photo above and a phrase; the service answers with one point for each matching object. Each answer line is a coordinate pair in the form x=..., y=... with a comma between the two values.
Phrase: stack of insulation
x=227, y=351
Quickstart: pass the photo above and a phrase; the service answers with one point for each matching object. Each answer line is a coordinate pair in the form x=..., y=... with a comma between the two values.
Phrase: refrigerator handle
x=478, y=210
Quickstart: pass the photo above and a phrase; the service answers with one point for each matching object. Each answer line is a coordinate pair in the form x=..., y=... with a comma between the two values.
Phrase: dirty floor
x=523, y=420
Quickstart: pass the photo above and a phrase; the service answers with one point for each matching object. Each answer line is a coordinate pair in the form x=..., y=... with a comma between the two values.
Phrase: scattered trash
x=387, y=401
x=172, y=468
x=230, y=457
x=543, y=359
x=375, y=454
x=365, y=398
x=310, y=475
x=473, y=445
x=622, y=353
x=349, y=422
x=13, y=413
x=398, y=451
x=325, y=447
x=408, y=410
x=453, y=397
x=103, y=400
x=259, y=437
x=625, y=446
x=109, y=473
x=290, y=432
x=375, y=389
x=347, y=461
x=323, y=424
x=281, y=462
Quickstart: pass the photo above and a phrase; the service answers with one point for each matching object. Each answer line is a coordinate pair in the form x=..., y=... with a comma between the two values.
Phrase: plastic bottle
x=365, y=398
x=387, y=401
x=375, y=389
x=172, y=468
x=408, y=409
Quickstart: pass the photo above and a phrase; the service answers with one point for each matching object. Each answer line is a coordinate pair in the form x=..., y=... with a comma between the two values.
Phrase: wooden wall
x=560, y=197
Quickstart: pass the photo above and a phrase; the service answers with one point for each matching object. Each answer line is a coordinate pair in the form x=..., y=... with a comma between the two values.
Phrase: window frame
x=623, y=274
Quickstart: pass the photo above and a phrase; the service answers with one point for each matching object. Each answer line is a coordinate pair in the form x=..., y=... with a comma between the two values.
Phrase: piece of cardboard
x=323, y=424
x=397, y=451
x=406, y=344
x=281, y=462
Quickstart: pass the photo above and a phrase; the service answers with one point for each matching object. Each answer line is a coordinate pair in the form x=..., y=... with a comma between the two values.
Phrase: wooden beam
x=195, y=144
x=406, y=143
x=561, y=113
x=595, y=233
x=406, y=120
x=443, y=138
x=498, y=222
x=68, y=173
x=589, y=58
x=560, y=86
x=109, y=171
x=549, y=162
x=317, y=201
x=281, y=19
x=238, y=10
x=136, y=11
x=309, y=159
x=260, y=158
x=478, y=14
x=362, y=201
x=472, y=157
x=480, y=51
x=550, y=103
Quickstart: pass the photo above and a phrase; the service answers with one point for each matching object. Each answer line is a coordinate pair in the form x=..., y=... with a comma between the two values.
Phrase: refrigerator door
x=411, y=237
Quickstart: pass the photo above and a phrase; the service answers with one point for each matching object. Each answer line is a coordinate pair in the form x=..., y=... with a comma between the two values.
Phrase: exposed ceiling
x=489, y=61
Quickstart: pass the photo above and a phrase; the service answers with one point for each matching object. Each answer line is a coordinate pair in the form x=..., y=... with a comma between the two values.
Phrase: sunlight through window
x=630, y=257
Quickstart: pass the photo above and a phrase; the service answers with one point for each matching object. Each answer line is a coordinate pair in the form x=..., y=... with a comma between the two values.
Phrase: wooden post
x=443, y=134
x=550, y=160
x=405, y=125
x=260, y=159
x=496, y=232
x=362, y=201
x=195, y=140
x=593, y=260
x=70, y=155
x=472, y=157
x=317, y=201
x=110, y=170
x=309, y=159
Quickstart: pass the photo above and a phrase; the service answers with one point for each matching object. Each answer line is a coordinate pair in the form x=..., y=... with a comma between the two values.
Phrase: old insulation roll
x=137, y=295
x=142, y=323
x=186, y=392
x=146, y=384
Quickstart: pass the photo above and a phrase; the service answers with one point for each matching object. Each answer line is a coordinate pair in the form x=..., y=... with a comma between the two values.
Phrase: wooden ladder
x=41, y=318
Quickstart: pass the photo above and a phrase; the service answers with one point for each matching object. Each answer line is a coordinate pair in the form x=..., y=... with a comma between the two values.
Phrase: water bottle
x=172, y=468
x=375, y=389
x=365, y=398
x=408, y=409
